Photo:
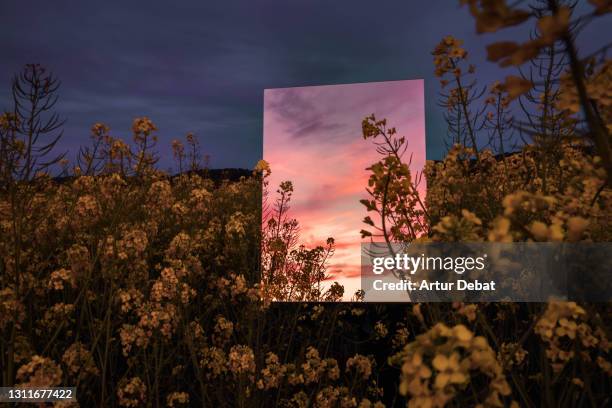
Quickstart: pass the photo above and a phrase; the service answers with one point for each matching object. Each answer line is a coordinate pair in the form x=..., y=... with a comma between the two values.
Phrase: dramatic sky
x=202, y=66
x=312, y=136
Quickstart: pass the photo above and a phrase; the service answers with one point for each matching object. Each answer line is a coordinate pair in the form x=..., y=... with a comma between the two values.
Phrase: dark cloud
x=300, y=114
x=196, y=66
x=291, y=106
x=316, y=127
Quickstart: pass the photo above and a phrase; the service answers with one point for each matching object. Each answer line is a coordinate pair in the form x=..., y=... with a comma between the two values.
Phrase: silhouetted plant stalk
x=396, y=201
x=463, y=123
x=290, y=271
x=29, y=132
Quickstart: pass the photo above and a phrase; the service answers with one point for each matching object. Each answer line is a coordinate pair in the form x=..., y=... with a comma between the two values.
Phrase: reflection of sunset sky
x=312, y=136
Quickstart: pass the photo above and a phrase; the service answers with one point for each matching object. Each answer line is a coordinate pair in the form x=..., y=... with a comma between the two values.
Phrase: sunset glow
x=312, y=137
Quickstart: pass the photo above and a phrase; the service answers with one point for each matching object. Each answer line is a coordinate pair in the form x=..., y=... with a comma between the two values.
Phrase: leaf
x=502, y=49
x=602, y=6
x=370, y=205
x=516, y=86
x=524, y=53
x=552, y=27
x=495, y=14
x=365, y=233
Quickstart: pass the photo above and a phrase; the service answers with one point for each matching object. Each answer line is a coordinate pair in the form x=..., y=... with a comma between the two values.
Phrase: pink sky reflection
x=312, y=136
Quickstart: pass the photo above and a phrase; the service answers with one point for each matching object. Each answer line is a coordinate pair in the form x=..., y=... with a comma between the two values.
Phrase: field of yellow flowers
x=147, y=290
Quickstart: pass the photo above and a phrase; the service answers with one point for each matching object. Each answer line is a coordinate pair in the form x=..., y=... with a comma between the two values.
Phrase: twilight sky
x=312, y=136
x=202, y=66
